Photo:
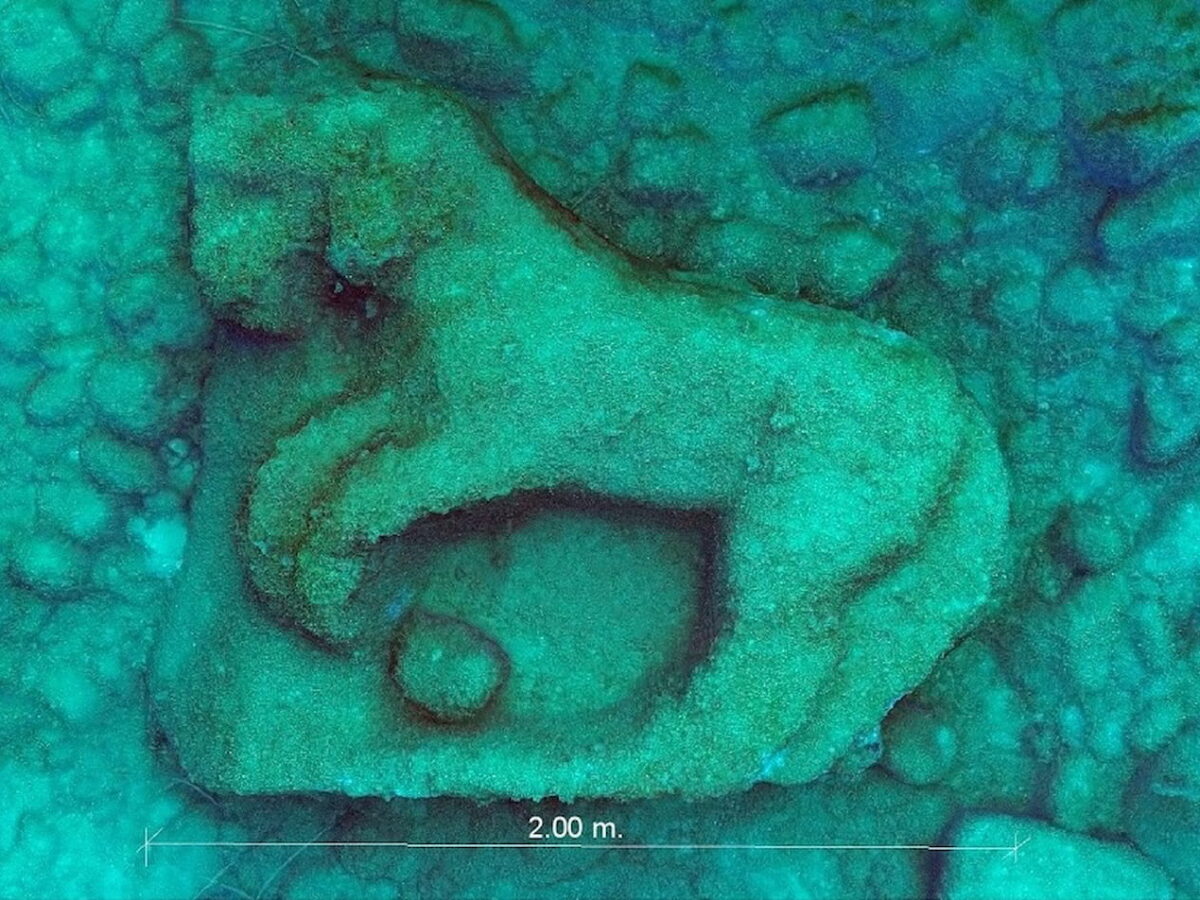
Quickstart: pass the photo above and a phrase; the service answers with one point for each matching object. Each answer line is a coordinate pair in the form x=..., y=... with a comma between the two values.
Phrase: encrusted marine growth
x=458, y=342
x=447, y=669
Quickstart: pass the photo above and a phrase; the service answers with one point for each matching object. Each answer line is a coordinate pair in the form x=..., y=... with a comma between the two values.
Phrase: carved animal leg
x=381, y=495
x=288, y=485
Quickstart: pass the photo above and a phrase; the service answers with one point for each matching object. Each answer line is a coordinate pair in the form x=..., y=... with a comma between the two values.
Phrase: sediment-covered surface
x=1012, y=184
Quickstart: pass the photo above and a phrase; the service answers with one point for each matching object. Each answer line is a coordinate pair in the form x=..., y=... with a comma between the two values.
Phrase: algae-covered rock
x=41, y=53
x=1166, y=414
x=473, y=46
x=1164, y=809
x=919, y=746
x=1163, y=219
x=118, y=466
x=256, y=248
x=56, y=397
x=130, y=393
x=821, y=139
x=965, y=729
x=49, y=564
x=1131, y=97
x=1046, y=863
x=802, y=484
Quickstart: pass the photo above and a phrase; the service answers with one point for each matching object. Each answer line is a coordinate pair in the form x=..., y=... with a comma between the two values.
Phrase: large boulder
x=1042, y=862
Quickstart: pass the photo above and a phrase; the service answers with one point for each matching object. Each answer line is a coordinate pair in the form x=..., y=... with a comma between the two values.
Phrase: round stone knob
x=447, y=669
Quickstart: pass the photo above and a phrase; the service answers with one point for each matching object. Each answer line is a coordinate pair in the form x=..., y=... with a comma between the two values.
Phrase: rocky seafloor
x=1015, y=184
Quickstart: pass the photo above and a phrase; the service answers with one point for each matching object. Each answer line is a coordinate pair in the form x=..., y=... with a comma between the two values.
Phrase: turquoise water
x=719, y=575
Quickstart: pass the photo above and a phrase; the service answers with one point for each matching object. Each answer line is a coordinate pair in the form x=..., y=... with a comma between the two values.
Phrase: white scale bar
x=150, y=841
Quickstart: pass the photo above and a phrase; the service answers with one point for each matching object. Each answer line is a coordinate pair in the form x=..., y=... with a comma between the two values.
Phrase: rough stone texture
x=1164, y=809
x=449, y=670
x=991, y=226
x=477, y=346
x=821, y=139
x=1050, y=863
x=1130, y=92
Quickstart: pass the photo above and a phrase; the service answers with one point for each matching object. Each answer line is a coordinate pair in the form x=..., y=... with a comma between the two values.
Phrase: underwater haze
x=652, y=449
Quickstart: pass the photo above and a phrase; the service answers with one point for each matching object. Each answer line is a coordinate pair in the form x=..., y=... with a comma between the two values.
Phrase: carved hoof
x=447, y=670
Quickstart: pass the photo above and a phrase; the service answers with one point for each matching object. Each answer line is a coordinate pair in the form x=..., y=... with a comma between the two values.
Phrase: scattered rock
x=1096, y=534
x=943, y=732
x=665, y=169
x=919, y=747
x=744, y=249
x=852, y=261
x=1081, y=793
x=48, y=564
x=56, y=398
x=182, y=462
x=117, y=466
x=135, y=25
x=40, y=53
x=1050, y=863
x=821, y=139
x=947, y=96
x=1162, y=219
x=131, y=393
x=164, y=540
x=1131, y=103
x=1177, y=343
x=649, y=93
x=1165, y=288
x=1008, y=165
x=168, y=66
x=1166, y=415
x=1164, y=810
x=76, y=508
x=154, y=309
x=1082, y=298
